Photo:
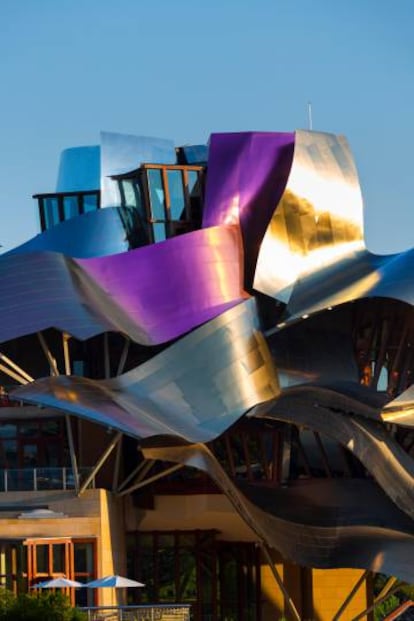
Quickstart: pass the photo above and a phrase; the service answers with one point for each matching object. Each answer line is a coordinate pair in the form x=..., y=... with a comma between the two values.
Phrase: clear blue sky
x=182, y=69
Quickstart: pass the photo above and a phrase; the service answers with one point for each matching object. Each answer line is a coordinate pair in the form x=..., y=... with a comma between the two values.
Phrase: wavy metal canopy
x=282, y=218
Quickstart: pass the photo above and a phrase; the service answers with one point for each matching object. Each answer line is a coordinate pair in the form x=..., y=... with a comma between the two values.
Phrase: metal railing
x=35, y=479
x=150, y=612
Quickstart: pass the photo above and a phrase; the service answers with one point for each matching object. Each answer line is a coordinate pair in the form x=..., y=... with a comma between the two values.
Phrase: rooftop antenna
x=310, y=115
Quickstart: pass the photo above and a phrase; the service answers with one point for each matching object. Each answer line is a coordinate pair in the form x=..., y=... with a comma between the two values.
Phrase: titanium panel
x=96, y=233
x=342, y=412
x=400, y=411
x=121, y=153
x=355, y=276
x=350, y=524
x=319, y=218
x=193, y=390
x=79, y=169
x=247, y=174
x=152, y=294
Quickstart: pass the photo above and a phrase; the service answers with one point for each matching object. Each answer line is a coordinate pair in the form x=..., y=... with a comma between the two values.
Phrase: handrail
x=139, y=612
x=35, y=479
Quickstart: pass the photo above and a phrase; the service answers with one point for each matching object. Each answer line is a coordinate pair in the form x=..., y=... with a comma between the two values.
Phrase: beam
x=155, y=477
x=16, y=368
x=142, y=468
x=377, y=601
x=117, y=467
x=123, y=358
x=107, y=364
x=73, y=460
x=101, y=461
x=386, y=588
x=279, y=581
x=66, y=354
x=13, y=375
x=52, y=362
x=351, y=595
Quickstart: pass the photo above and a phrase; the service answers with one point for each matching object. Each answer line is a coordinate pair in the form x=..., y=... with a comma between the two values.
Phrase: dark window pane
x=7, y=430
x=176, y=192
x=30, y=455
x=193, y=185
x=42, y=559
x=159, y=232
x=59, y=558
x=53, y=454
x=156, y=194
x=83, y=558
x=9, y=453
x=51, y=211
x=90, y=202
x=51, y=428
x=132, y=194
x=29, y=429
x=70, y=207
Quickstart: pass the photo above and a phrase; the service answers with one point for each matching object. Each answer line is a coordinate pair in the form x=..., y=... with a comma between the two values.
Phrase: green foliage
x=382, y=610
x=37, y=607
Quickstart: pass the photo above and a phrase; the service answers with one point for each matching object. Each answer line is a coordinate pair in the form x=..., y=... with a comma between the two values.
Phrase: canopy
x=113, y=582
x=58, y=583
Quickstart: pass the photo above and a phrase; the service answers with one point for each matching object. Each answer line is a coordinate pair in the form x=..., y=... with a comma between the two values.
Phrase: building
x=207, y=381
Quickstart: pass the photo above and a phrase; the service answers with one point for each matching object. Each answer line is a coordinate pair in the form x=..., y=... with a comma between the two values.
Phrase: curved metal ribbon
x=193, y=390
x=343, y=416
x=152, y=294
x=363, y=529
x=319, y=218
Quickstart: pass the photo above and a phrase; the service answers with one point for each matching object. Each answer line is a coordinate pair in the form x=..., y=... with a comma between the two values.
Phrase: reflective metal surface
x=341, y=412
x=94, y=234
x=283, y=217
x=121, y=153
x=400, y=411
x=319, y=218
x=195, y=389
x=79, y=169
x=326, y=524
x=247, y=174
x=152, y=294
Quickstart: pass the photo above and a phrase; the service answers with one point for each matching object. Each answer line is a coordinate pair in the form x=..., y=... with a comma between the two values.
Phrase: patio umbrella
x=58, y=583
x=114, y=582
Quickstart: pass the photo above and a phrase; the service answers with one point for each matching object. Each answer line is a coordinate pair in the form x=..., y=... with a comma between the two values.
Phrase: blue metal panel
x=79, y=169
x=93, y=234
x=121, y=153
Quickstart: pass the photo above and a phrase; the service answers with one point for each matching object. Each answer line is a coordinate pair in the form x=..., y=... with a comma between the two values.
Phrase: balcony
x=36, y=479
x=157, y=612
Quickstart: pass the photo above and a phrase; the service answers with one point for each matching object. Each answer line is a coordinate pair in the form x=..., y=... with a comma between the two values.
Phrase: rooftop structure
x=208, y=380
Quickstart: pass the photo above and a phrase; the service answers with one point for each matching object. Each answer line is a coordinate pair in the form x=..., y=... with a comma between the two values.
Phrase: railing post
x=35, y=479
x=64, y=478
x=6, y=481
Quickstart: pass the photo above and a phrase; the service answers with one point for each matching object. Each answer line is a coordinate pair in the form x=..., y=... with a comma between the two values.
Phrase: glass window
x=176, y=193
x=58, y=558
x=156, y=191
x=7, y=430
x=30, y=455
x=51, y=428
x=42, y=564
x=10, y=453
x=29, y=429
x=53, y=454
x=160, y=233
x=51, y=211
x=70, y=207
x=90, y=202
x=193, y=185
x=131, y=193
